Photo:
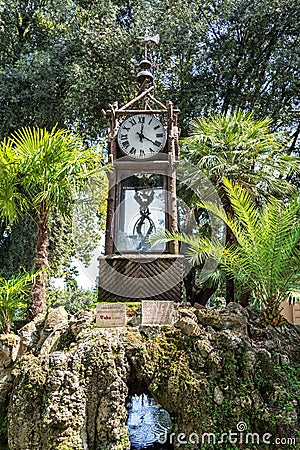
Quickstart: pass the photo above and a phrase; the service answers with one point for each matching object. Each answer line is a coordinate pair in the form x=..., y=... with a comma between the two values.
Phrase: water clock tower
x=143, y=153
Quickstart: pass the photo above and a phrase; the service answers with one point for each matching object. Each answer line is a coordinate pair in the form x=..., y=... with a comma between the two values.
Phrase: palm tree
x=46, y=171
x=243, y=149
x=14, y=295
x=265, y=259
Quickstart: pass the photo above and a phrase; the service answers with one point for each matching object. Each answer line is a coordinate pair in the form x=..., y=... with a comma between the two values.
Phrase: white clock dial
x=141, y=136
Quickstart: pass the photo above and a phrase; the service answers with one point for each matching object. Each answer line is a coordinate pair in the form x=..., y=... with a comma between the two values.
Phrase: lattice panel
x=137, y=277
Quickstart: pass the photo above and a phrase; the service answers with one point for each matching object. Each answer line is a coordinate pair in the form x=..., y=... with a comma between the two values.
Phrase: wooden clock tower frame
x=133, y=276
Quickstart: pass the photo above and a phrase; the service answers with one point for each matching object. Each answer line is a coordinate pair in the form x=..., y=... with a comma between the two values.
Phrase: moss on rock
x=75, y=397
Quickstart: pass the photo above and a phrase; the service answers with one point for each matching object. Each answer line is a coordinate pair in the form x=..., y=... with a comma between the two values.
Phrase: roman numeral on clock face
x=125, y=144
x=132, y=121
x=158, y=135
x=157, y=143
x=132, y=151
x=124, y=137
x=141, y=119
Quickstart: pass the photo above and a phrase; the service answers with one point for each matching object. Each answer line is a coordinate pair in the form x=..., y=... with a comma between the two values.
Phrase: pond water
x=147, y=423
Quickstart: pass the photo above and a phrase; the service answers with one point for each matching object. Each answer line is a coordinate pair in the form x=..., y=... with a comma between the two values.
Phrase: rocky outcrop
x=214, y=371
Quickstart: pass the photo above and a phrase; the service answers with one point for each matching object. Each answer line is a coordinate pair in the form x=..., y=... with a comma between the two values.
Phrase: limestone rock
x=151, y=330
x=188, y=326
x=81, y=320
x=210, y=318
x=218, y=396
x=235, y=322
x=9, y=350
x=6, y=384
x=204, y=347
x=284, y=360
x=50, y=343
x=134, y=319
x=30, y=333
x=71, y=393
x=57, y=318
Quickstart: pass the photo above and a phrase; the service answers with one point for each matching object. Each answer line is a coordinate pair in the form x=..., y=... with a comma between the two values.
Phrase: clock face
x=141, y=136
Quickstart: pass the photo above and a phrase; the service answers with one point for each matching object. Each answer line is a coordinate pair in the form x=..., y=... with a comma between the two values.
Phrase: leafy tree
x=46, y=171
x=251, y=58
x=89, y=218
x=226, y=55
x=73, y=300
x=242, y=149
x=18, y=245
x=63, y=62
x=265, y=258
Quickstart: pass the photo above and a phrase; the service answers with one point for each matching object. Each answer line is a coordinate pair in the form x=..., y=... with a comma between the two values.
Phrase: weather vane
x=148, y=39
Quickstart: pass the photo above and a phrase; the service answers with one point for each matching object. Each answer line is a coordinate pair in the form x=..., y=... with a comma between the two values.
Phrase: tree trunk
x=195, y=293
x=245, y=299
x=38, y=294
x=6, y=327
x=230, y=240
x=229, y=297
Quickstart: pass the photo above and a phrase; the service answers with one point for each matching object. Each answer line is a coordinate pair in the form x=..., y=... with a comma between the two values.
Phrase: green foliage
x=45, y=172
x=14, y=297
x=89, y=217
x=73, y=300
x=61, y=243
x=17, y=246
x=265, y=259
x=241, y=148
x=57, y=64
x=3, y=426
x=43, y=168
x=62, y=62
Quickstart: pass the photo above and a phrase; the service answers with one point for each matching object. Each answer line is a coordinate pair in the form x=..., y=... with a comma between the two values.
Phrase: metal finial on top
x=145, y=75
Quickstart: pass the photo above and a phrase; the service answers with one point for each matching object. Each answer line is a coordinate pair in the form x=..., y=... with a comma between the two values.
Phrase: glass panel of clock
x=141, y=212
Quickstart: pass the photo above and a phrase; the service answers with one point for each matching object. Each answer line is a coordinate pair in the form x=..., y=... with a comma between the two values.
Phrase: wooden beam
x=136, y=99
x=121, y=112
x=157, y=102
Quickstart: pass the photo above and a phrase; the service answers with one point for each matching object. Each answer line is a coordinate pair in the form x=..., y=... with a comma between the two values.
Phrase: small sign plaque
x=156, y=312
x=111, y=315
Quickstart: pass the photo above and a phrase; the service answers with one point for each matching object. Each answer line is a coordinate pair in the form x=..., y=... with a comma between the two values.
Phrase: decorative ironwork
x=144, y=198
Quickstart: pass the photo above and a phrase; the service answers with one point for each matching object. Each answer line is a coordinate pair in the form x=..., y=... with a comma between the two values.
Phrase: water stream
x=147, y=422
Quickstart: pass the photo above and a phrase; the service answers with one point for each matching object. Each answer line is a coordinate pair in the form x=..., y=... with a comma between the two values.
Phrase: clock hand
x=141, y=134
x=150, y=140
